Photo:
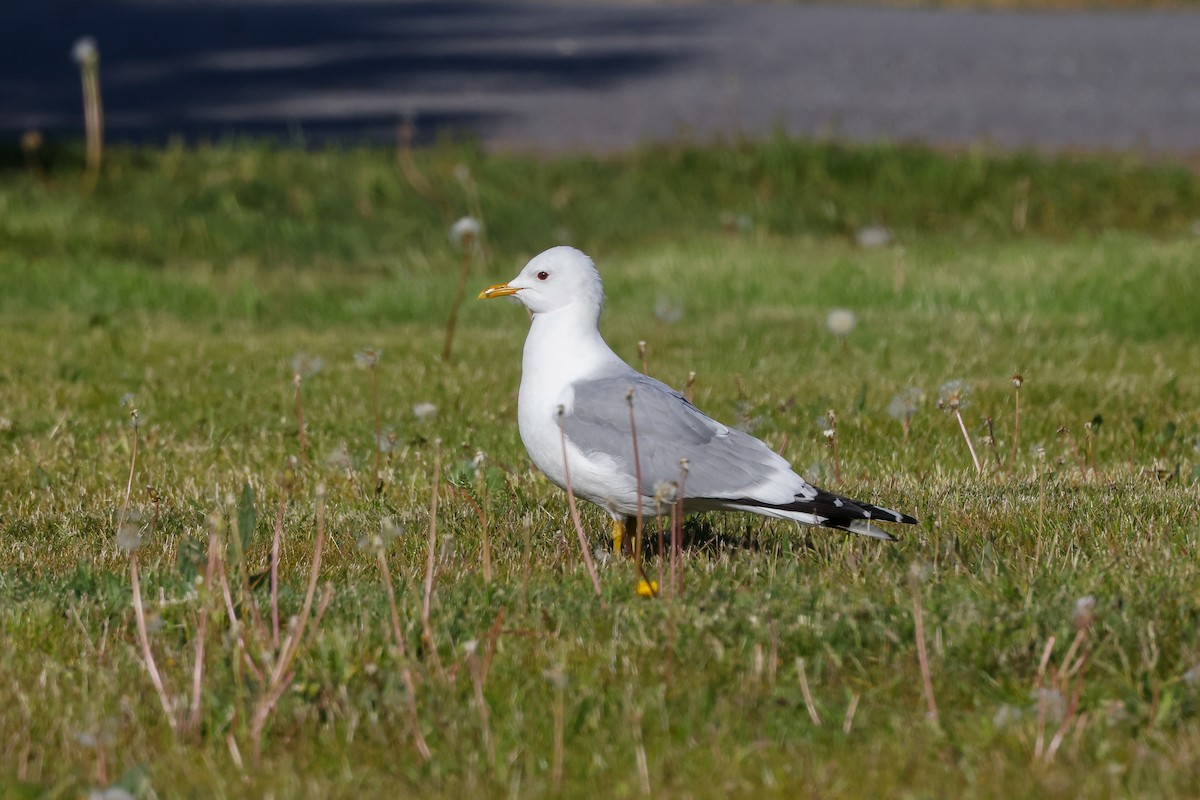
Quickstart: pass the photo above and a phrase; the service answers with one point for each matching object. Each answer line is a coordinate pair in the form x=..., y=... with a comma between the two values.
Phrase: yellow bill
x=499, y=290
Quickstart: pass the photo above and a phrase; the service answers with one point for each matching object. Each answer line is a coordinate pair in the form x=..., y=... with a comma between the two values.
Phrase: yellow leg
x=618, y=533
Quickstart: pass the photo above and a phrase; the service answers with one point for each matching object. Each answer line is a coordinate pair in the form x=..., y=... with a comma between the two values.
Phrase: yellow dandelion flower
x=647, y=588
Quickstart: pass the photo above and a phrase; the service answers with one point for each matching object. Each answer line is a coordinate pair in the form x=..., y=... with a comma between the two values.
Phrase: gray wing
x=723, y=463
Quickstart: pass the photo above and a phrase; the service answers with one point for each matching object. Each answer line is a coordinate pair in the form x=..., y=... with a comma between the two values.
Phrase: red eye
x=543, y=275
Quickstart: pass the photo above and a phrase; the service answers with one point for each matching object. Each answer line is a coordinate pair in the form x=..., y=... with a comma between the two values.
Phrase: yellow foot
x=618, y=533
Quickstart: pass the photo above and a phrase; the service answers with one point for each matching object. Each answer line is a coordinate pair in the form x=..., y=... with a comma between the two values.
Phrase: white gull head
x=560, y=278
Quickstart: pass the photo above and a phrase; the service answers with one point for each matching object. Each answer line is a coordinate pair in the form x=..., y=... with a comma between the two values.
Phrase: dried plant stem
x=643, y=766
x=1016, y=423
x=410, y=685
x=831, y=436
x=459, y=293
x=559, y=719
x=848, y=722
x=637, y=471
x=923, y=656
x=487, y=550
x=280, y=676
x=481, y=707
x=677, y=532
x=378, y=430
x=483, y=526
x=210, y=571
x=808, y=698
x=967, y=436
x=276, y=541
x=587, y=556
x=93, y=116
x=139, y=613
x=404, y=155
x=690, y=387
x=298, y=381
x=235, y=624
x=427, y=602
x=121, y=516
x=493, y=639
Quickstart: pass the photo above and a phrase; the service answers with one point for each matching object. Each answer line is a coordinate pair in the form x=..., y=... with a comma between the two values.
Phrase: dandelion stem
x=967, y=436
x=378, y=430
x=481, y=707
x=281, y=674
x=459, y=293
x=201, y=631
x=410, y=686
x=637, y=469
x=276, y=540
x=139, y=614
x=559, y=718
x=587, y=556
x=922, y=655
x=677, y=533
x=1017, y=423
x=808, y=698
x=298, y=380
x=93, y=114
x=427, y=603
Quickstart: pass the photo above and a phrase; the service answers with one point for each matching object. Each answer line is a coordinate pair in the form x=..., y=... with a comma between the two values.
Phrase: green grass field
x=1057, y=593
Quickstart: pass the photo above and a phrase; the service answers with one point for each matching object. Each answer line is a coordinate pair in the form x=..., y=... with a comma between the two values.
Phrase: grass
x=191, y=278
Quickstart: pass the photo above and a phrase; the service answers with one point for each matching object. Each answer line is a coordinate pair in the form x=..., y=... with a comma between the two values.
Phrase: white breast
x=557, y=353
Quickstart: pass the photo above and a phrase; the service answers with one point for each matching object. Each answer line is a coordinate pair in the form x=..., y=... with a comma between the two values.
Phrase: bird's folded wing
x=723, y=463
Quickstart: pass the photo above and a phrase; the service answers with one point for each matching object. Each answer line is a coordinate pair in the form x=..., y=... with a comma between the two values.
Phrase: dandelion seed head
x=873, y=236
x=6, y=425
x=370, y=541
x=903, y=406
x=339, y=457
x=462, y=172
x=1006, y=716
x=389, y=529
x=665, y=494
x=424, y=411
x=367, y=358
x=668, y=310
x=466, y=233
x=386, y=440
x=1084, y=612
x=305, y=365
x=841, y=321
x=1017, y=380
x=84, y=52
x=952, y=396
x=129, y=537
x=557, y=677
x=1049, y=704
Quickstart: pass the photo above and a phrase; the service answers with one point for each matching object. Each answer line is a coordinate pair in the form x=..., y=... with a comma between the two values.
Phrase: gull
x=574, y=414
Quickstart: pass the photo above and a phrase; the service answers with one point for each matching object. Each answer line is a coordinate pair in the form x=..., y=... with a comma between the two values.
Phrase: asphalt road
x=563, y=76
